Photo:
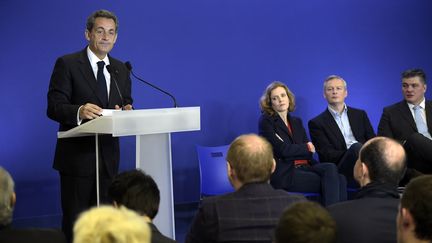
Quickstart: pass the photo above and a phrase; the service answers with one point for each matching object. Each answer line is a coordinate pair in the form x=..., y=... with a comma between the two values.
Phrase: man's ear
x=407, y=220
x=13, y=199
x=365, y=170
x=230, y=170
x=273, y=166
x=87, y=34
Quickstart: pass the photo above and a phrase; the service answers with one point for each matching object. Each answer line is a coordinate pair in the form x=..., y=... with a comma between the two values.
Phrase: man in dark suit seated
x=339, y=132
x=414, y=220
x=9, y=234
x=305, y=222
x=371, y=216
x=137, y=191
x=410, y=122
x=251, y=213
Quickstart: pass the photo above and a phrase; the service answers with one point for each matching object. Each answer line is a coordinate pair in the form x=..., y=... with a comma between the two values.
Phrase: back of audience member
x=139, y=192
x=250, y=213
x=305, y=222
x=414, y=220
x=9, y=234
x=370, y=216
x=107, y=224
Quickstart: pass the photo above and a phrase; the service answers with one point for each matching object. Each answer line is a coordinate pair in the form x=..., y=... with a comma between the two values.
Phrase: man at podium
x=81, y=86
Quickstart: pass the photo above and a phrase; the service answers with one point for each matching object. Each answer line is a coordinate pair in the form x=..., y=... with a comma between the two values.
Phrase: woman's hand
x=311, y=147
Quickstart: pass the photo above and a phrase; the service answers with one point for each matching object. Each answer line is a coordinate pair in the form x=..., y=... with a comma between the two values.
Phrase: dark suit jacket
x=157, y=236
x=397, y=121
x=249, y=214
x=328, y=139
x=31, y=235
x=287, y=147
x=73, y=84
x=368, y=219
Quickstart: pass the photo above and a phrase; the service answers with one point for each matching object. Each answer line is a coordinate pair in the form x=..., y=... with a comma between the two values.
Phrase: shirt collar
x=335, y=113
x=94, y=59
x=422, y=104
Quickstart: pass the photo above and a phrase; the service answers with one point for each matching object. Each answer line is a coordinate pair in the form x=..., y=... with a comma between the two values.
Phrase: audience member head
x=335, y=90
x=414, y=85
x=249, y=159
x=414, y=220
x=107, y=224
x=305, y=222
x=267, y=101
x=137, y=191
x=7, y=197
x=382, y=160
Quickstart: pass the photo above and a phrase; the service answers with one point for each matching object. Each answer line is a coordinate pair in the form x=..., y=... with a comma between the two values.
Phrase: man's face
x=335, y=91
x=102, y=37
x=413, y=90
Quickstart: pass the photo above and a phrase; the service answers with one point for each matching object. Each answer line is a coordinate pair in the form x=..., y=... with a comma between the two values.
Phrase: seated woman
x=296, y=170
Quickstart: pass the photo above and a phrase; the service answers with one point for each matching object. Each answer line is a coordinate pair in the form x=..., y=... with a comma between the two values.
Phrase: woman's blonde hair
x=107, y=224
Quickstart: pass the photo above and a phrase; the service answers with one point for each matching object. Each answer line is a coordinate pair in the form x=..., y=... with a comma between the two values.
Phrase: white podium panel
x=152, y=129
x=154, y=157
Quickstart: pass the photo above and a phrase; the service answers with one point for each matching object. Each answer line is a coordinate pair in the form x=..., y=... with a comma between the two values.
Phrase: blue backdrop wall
x=218, y=55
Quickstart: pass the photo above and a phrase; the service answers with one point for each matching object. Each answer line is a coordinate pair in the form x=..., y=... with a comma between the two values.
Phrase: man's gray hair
x=331, y=77
x=6, y=194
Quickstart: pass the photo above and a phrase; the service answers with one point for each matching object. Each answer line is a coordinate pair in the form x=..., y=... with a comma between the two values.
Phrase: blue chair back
x=213, y=170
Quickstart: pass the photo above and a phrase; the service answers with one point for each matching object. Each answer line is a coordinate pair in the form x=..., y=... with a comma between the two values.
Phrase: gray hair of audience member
x=331, y=77
x=107, y=224
x=101, y=14
x=6, y=197
x=415, y=72
x=417, y=198
x=385, y=159
x=305, y=222
x=251, y=157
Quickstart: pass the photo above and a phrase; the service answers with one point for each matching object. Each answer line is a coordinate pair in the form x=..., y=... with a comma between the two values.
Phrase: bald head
x=384, y=159
x=7, y=197
x=251, y=157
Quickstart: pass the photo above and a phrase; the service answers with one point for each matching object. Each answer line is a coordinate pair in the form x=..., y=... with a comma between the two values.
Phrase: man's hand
x=90, y=111
x=126, y=107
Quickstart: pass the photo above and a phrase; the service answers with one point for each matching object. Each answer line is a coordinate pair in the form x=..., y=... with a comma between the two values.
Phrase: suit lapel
x=428, y=110
x=354, y=123
x=281, y=126
x=406, y=114
x=334, y=128
x=87, y=72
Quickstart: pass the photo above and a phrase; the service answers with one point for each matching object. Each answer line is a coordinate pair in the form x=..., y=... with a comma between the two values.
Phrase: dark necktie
x=101, y=84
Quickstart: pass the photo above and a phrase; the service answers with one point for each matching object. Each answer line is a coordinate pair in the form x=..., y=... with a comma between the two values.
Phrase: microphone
x=129, y=67
x=114, y=72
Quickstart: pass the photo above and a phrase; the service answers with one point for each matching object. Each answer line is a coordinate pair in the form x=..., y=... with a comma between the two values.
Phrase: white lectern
x=152, y=129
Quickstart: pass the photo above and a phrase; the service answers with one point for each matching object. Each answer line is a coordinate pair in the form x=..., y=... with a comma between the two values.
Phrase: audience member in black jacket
x=9, y=234
x=139, y=192
x=371, y=216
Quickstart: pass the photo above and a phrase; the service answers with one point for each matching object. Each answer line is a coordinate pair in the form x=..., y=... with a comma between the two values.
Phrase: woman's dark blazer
x=286, y=147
